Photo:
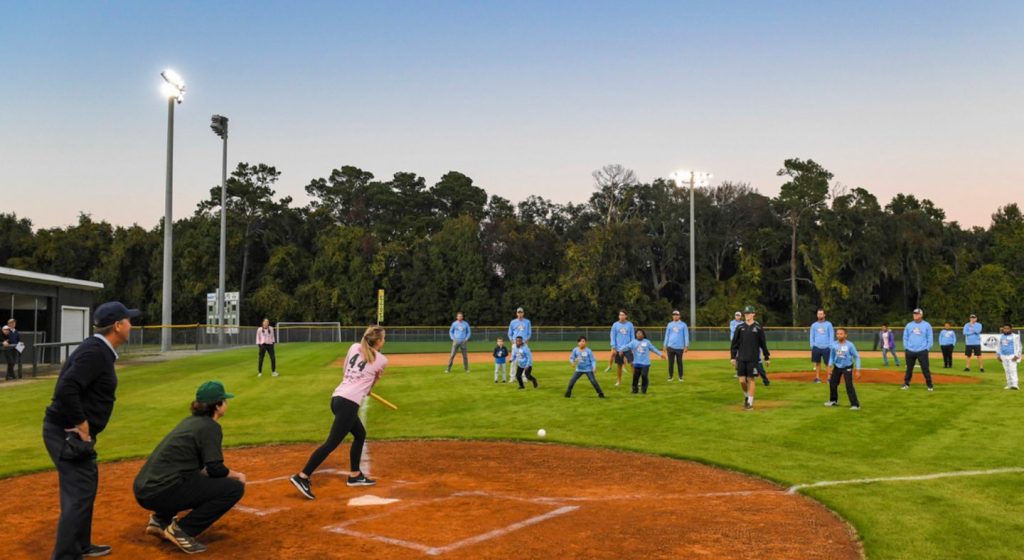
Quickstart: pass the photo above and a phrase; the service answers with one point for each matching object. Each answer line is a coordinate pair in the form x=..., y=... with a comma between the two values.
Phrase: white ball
x=541, y=433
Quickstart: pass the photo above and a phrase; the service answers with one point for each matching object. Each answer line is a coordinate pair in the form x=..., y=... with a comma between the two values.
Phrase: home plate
x=370, y=500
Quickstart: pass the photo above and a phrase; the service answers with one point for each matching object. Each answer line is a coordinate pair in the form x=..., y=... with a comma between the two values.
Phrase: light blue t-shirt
x=642, y=350
x=947, y=337
x=587, y=361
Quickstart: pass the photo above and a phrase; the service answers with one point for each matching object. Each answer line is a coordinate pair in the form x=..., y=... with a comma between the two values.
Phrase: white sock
x=751, y=399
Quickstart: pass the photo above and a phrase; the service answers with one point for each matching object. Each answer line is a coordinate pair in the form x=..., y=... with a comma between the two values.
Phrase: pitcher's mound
x=464, y=500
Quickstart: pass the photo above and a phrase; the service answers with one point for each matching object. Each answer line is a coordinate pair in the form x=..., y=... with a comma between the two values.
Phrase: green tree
x=800, y=201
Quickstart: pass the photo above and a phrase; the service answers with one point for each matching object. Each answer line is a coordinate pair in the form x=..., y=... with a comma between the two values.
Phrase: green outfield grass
x=791, y=438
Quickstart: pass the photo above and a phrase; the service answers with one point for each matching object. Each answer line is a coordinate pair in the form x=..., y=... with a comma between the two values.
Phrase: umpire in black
x=83, y=400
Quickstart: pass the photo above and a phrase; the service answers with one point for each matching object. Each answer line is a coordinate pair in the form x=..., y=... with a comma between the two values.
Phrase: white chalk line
x=793, y=489
x=280, y=478
x=257, y=511
x=343, y=529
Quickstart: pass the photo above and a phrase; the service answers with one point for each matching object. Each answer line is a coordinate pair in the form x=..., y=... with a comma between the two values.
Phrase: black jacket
x=85, y=388
x=748, y=343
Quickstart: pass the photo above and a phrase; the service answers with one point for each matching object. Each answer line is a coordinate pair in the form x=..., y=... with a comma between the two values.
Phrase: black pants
x=208, y=498
x=641, y=372
x=833, y=385
x=590, y=376
x=947, y=356
x=675, y=356
x=78, y=481
x=268, y=349
x=761, y=371
x=11, y=357
x=528, y=371
x=911, y=359
x=346, y=421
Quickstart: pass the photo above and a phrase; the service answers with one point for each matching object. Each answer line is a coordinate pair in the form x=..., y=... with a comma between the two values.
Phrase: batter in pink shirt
x=363, y=366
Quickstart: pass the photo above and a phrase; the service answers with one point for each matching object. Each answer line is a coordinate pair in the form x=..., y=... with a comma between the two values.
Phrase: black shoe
x=747, y=405
x=183, y=540
x=567, y=395
x=965, y=369
x=635, y=390
x=303, y=486
x=521, y=388
x=95, y=550
x=601, y=395
x=534, y=381
x=360, y=480
x=155, y=527
x=766, y=382
x=982, y=370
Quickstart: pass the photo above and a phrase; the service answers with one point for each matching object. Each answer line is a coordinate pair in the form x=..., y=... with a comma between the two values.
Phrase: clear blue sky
x=525, y=97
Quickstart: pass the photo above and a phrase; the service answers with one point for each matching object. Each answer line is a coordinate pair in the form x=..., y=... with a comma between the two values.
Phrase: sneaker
x=1007, y=388
x=982, y=370
x=182, y=540
x=96, y=550
x=931, y=389
x=1015, y=388
x=747, y=405
x=360, y=480
x=534, y=383
x=154, y=527
x=905, y=387
x=854, y=407
x=816, y=380
x=616, y=383
x=567, y=395
x=635, y=391
x=259, y=374
x=522, y=388
x=766, y=382
x=303, y=486
x=274, y=374
x=607, y=369
x=600, y=395
x=967, y=369
x=831, y=403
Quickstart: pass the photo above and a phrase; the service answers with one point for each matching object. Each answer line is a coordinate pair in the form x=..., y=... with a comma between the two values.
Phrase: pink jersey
x=360, y=377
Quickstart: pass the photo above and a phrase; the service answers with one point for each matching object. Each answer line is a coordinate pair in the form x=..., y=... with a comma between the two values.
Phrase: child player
x=1009, y=354
x=585, y=363
x=947, y=340
x=500, y=358
x=523, y=358
x=844, y=363
x=642, y=349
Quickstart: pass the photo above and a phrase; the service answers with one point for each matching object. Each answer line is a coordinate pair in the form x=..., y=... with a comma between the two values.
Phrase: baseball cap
x=520, y=310
x=973, y=316
x=111, y=312
x=211, y=392
x=737, y=314
x=676, y=312
x=918, y=310
x=749, y=309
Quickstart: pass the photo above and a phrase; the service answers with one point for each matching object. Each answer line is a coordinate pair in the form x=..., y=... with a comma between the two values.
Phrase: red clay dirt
x=463, y=500
x=883, y=376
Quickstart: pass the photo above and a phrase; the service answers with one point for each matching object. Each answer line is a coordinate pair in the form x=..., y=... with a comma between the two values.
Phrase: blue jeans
x=885, y=358
x=590, y=376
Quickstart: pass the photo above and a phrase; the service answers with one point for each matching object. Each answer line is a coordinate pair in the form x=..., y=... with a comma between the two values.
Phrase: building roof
x=49, y=279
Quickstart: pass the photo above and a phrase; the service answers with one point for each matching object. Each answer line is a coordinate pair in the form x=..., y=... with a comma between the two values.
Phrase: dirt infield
x=883, y=376
x=463, y=500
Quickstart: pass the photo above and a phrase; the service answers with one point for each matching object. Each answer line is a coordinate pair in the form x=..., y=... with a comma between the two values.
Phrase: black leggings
x=675, y=357
x=267, y=349
x=346, y=421
x=528, y=371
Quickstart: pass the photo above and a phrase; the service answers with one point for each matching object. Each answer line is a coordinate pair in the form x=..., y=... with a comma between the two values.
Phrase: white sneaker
x=607, y=369
x=616, y=383
x=831, y=403
x=905, y=387
x=931, y=389
x=854, y=408
x=259, y=374
x=274, y=374
x=1007, y=388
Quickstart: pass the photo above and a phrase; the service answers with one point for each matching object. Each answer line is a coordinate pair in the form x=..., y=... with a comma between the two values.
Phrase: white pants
x=1010, y=367
x=500, y=367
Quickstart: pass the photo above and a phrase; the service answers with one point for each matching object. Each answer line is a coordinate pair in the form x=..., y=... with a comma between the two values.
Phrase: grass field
x=791, y=438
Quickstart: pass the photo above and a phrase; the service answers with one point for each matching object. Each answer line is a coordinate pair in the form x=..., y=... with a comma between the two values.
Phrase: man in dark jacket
x=11, y=353
x=83, y=401
x=748, y=344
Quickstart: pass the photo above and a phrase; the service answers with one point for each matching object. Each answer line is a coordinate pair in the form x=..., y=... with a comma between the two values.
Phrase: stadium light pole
x=219, y=124
x=174, y=89
x=695, y=179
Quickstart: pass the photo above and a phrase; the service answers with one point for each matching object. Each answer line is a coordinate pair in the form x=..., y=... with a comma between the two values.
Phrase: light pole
x=219, y=125
x=174, y=89
x=695, y=179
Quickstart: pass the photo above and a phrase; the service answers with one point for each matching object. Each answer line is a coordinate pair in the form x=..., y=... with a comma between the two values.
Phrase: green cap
x=211, y=392
x=749, y=309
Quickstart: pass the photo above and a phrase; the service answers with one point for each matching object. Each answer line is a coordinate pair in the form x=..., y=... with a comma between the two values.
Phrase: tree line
x=447, y=247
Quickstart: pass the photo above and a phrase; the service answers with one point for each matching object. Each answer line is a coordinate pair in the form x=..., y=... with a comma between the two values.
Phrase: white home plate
x=370, y=500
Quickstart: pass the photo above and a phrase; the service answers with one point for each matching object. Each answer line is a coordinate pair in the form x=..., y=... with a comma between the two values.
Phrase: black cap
x=111, y=312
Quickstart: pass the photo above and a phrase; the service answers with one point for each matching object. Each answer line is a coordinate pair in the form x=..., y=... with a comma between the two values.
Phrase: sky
x=525, y=97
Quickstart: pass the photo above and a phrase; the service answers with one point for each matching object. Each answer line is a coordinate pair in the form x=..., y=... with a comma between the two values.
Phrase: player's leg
x=851, y=391
x=465, y=356
x=451, y=357
x=611, y=361
x=636, y=378
x=679, y=362
x=529, y=375
x=833, y=386
x=346, y=413
x=620, y=361
x=593, y=382
x=263, y=352
x=355, y=455
x=273, y=359
x=910, y=358
x=645, y=372
x=519, y=376
x=572, y=382
x=1013, y=373
x=209, y=499
x=926, y=368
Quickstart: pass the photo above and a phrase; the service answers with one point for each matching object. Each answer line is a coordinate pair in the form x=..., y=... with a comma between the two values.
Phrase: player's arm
x=734, y=346
x=856, y=360
x=763, y=342
x=686, y=338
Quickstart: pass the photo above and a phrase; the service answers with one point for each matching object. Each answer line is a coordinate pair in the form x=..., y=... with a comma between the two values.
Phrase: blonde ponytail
x=371, y=338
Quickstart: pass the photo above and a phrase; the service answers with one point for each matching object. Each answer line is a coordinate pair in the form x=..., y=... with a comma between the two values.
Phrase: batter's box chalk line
x=915, y=478
x=343, y=528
